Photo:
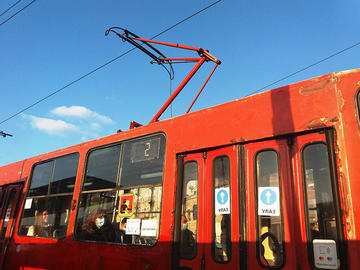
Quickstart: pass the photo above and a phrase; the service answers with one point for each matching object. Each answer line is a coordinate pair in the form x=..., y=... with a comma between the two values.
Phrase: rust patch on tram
x=321, y=122
x=237, y=140
x=317, y=86
x=340, y=99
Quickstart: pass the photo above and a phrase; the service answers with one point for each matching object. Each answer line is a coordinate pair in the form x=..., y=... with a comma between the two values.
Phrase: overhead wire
x=103, y=65
x=305, y=68
x=13, y=5
x=16, y=13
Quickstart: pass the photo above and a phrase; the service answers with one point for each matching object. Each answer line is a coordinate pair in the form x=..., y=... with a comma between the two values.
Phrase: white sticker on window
x=28, y=203
x=133, y=226
x=222, y=201
x=268, y=201
x=148, y=227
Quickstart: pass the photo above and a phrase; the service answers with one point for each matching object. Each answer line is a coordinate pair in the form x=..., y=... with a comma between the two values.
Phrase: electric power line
x=10, y=7
x=305, y=68
x=12, y=16
x=102, y=66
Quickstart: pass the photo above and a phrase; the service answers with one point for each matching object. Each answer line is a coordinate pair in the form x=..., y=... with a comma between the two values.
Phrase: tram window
x=2, y=197
x=8, y=213
x=102, y=168
x=41, y=179
x=319, y=196
x=270, y=243
x=189, y=213
x=221, y=248
x=63, y=180
x=47, y=210
x=358, y=104
x=125, y=203
x=47, y=217
x=142, y=163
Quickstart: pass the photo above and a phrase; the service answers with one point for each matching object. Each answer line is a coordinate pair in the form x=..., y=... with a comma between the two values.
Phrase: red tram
x=264, y=182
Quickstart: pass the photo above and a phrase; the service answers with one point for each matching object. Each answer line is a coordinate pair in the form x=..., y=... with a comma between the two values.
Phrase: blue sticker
x=222, y=197
x=268, y=196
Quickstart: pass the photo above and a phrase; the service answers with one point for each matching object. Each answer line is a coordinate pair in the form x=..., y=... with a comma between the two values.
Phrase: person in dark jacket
x=97, y=227
x=124, y=238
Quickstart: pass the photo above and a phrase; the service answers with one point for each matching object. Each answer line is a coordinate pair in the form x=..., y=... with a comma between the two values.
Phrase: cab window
x=120, y=200
x=47, y=205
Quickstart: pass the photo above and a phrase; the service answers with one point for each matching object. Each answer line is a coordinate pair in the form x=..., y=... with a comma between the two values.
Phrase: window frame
x=52, y=159
x=334, y=189
x=14, y=204
x=117, y=186
x=213, y=234
x=357, y=105
x=181, y=208
x=257, y=233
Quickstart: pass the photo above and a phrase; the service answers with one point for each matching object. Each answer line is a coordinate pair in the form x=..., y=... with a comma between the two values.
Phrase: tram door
x=9, y=198
x=293, y=204
x=207, y=224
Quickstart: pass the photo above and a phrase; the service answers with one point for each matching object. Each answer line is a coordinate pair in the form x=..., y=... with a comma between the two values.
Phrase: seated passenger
x=125, y=238
x=97, y=227
x=41, y=228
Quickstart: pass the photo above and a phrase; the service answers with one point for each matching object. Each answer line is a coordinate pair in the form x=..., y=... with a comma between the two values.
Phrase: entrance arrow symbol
x=222, y=195
x=268, y=196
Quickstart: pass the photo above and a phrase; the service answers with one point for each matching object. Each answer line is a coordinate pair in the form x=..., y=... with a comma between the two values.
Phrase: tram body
x=267, y=181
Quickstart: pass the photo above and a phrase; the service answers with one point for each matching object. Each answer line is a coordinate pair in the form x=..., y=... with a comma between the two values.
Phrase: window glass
x=222, y=221
x=7, y=213
x=41, y=179
x=189, y=210
x=120, y=201
x=358, y=104
x=142, y=162
x=46, y=213
x=102, y=168
x=47, y=217
x=270, y=245
x=64, y=177
x=319, y=196
x=2, y=197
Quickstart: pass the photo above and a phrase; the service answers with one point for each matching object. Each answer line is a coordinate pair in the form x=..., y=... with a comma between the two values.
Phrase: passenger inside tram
x=41, y=228
x=124, y=238
x=97, y=227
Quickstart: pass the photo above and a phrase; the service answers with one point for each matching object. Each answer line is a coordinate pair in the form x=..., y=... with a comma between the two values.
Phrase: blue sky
x=52, y=43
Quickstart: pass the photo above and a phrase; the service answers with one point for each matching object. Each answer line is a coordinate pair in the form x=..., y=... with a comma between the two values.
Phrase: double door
x=205, y=214
x=260, y=205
